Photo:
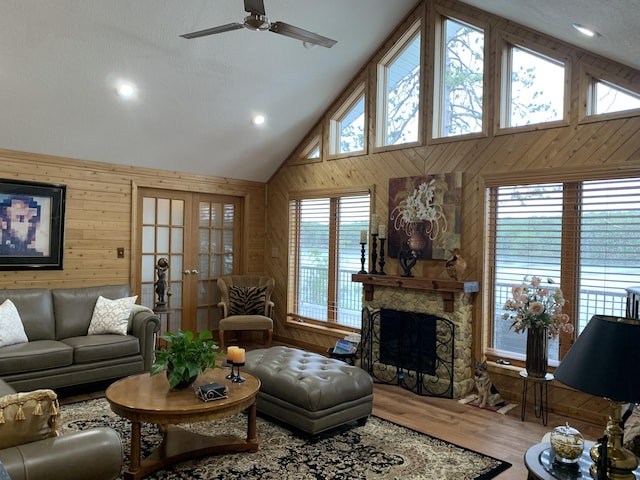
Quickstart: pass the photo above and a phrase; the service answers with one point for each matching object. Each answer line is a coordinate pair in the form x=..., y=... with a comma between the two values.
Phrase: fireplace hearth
x=447, y=371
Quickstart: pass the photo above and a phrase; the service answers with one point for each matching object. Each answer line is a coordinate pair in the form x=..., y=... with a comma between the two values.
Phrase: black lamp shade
x=605, y=360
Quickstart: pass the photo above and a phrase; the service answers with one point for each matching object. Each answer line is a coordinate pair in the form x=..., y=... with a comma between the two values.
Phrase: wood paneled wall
x=601, y=146
x=99, y=216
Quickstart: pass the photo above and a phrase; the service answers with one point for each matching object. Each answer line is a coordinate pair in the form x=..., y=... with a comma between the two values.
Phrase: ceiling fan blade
x=210, y=31
x=301, y=34
x=254, y=6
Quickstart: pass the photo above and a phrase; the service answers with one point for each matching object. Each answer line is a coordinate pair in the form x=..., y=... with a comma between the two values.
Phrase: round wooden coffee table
x=143, y=398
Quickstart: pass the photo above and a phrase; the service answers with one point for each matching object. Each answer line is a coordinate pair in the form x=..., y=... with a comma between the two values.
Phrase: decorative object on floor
x=363, y=242
x=32, y=218
x=424, y=214
x=380, y=449
x=487, y=392
x=567, y=444
x=598, y=363
x=537, y=308
x=185, y=356
x=456, y=265
x=407, y=260
x=474, y=401
x=161, y=284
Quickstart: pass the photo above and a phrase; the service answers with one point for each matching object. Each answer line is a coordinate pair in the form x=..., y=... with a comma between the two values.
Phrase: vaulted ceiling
x=60, y=62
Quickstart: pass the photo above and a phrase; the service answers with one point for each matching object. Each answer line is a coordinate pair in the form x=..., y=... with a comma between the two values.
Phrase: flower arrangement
x=420, y=206
x=535, y=306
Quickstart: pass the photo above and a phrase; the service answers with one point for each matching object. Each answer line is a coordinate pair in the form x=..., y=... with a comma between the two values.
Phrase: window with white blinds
x=585, y=236
x=324, y=250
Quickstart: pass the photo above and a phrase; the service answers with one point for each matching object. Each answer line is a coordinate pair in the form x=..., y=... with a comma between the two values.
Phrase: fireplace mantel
x=447, y=288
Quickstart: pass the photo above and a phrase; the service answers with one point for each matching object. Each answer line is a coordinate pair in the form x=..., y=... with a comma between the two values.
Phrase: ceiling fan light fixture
x=256, y=22
x=586, y=31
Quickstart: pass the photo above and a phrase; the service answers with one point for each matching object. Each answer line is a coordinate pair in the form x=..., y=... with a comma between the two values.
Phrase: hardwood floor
x=502, y=436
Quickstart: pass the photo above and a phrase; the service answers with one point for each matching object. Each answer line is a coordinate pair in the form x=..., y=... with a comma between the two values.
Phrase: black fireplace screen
x=408, y=340
x=410, y=349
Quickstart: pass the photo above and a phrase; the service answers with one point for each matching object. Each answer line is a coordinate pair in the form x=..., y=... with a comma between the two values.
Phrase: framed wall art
x=32, y=223
x=424, y=215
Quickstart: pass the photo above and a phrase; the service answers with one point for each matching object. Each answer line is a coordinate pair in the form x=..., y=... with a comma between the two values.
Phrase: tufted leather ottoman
x=309, y=391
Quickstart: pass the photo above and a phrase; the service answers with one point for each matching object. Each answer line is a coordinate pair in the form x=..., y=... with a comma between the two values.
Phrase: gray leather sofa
x=95, y=453
x=59, y=352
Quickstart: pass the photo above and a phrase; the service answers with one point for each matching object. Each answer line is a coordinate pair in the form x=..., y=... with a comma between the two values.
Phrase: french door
x=199, y=235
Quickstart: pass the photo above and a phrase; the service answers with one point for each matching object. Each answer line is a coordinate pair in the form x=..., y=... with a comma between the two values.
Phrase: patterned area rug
x=377, y=450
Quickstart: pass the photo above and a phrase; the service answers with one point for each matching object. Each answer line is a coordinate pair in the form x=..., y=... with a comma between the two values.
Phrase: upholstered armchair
x=245, y=304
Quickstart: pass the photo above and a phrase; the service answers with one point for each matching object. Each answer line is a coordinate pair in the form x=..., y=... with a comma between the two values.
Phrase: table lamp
x=604, y=361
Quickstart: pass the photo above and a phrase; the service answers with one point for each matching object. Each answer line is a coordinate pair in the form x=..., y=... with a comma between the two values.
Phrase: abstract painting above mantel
x=424, y=215
x=32, y=225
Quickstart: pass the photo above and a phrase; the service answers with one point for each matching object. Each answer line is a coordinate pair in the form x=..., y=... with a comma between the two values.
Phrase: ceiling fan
x=257, y=20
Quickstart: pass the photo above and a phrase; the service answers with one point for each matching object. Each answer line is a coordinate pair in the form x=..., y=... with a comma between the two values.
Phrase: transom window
x=609, y=98
x=460, y=83
x=347, y=127
x=534, y=88
x=399, y=91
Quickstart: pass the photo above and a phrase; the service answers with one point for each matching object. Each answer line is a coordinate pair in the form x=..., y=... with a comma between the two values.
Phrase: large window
x=399, y=91
x=460, y=82
x=324, y=250
x=583, y=235
x=534, y=88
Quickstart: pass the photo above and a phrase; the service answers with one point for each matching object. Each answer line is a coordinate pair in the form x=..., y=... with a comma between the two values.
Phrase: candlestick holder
x=382, y=257
x=232, y=375
x=374, y=253
x=237, y=378
x=362, y=259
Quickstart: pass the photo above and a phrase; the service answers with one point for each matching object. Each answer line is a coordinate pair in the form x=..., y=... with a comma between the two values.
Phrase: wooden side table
x=540, y=395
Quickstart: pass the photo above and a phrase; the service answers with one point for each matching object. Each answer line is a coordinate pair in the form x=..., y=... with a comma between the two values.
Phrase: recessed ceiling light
x=586, y=31
x=126, y=90
x=258, y=119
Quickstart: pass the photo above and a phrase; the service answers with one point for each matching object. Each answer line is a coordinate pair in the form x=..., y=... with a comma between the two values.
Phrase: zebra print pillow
x=247, y=300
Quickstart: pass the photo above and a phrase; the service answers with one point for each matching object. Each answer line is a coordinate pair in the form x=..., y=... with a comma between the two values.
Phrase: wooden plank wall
x=99, y=216
x=602, y=146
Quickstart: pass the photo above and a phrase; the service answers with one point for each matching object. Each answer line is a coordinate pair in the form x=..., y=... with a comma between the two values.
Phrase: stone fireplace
x=443, y=365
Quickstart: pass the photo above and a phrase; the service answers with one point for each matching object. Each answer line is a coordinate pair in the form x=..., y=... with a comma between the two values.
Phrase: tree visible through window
x=461, y=81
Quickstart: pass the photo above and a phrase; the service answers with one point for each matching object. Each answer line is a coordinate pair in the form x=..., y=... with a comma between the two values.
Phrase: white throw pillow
x=11, y=328
x=111, y=316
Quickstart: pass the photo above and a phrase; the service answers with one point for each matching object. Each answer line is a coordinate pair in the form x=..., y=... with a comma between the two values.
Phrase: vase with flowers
x=537, y=309
x=420, y=216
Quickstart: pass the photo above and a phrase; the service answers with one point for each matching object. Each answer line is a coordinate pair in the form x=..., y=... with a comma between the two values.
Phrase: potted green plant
x=185, y=356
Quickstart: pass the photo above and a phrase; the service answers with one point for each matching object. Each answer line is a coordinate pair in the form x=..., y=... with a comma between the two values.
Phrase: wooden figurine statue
x=456, y=265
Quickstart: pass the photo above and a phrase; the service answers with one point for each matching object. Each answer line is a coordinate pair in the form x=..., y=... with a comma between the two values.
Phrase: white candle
x=231, y=353
x=382, y=231
x=239, y=356
x=375, y=222
x=363, y=236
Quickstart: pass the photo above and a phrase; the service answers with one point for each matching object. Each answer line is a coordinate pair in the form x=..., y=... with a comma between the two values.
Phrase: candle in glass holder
x=363, y=236
x=382, y=231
